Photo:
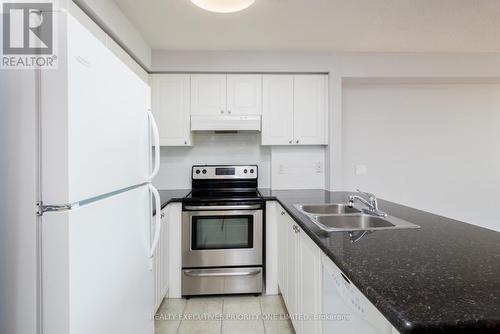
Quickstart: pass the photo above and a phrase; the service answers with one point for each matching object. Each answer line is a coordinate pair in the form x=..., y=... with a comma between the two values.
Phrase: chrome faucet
x=371, y=203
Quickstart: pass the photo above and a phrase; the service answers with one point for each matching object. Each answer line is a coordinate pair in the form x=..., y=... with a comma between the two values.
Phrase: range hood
x=225, y=123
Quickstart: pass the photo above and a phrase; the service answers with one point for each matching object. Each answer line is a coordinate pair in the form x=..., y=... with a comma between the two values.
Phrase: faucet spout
x=371, y=203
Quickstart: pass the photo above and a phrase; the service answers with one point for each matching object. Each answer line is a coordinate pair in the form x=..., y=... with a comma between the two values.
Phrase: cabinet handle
x=290, y=141
x=229, y=111
x=282, y=213
x=297, y=141
x=185, y=142
x=222, y=111
x=162, y=215
x=220, y=272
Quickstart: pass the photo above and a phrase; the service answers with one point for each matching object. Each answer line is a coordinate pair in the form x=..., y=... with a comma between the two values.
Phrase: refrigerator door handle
x=157, y=225
x=156, y=139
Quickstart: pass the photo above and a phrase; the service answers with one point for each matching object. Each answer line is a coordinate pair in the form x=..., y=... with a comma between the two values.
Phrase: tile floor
x=227, y=315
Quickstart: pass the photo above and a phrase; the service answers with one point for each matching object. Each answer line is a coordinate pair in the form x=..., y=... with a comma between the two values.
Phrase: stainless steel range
x=222, y=232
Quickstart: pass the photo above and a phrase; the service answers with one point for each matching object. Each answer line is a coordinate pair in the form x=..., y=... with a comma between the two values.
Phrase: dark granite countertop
x=171, y=195
x=441, y=278
x=174, y=195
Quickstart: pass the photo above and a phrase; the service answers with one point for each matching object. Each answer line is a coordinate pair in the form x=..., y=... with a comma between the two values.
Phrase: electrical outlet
x=282, y=169
x=318, y=167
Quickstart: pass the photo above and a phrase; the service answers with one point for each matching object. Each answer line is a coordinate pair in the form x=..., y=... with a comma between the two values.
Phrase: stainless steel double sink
x=337, y=217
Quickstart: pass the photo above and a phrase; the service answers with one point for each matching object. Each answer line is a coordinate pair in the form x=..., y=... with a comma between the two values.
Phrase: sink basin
x=339, y=217
x=360, y=222
x=357, y=222
x=327, y=209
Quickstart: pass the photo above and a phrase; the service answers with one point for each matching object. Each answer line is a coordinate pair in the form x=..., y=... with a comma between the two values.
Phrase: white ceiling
x=322, y=25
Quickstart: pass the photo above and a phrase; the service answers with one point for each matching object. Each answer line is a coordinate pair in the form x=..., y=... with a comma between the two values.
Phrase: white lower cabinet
x=309, y=260
x=313, y=287
x=299, y=274
x=282, y=227
x=292, y=270
x=167, y=264
x=174, y=247
x=161, y=262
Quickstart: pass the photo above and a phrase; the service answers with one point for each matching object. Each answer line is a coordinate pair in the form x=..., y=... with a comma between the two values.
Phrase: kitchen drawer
x=221, y=281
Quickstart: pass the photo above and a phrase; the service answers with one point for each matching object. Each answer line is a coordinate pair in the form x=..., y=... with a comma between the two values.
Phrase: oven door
x=219, y=238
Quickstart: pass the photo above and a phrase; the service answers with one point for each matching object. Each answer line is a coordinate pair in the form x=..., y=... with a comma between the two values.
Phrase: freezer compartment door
x=96, y=267
x=95, y=127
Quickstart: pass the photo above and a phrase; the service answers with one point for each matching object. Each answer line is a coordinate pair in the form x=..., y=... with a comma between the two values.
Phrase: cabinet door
x=309, y=285
x=208, y=94
x=277, y=110
x=310, y=109
x=292, y=273
x=164, y=251
x=283, y=226
x=244, y=94
x=160, y=261
x=171, y=108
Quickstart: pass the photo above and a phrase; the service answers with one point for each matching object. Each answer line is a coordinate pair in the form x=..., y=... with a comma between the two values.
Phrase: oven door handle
x=220, y=272
x=222, y=207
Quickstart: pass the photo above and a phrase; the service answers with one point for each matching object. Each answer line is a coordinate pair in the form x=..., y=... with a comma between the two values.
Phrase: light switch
x=361, y=170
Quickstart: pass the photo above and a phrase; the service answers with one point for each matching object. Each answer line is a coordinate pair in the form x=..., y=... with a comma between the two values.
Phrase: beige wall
x=435, y=147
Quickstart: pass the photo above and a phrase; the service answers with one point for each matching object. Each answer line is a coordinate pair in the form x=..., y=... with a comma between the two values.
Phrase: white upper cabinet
x=277, y=111
x=295, y=109
x=208, y=94
x=221, y=94
x=310, y=109
x=244, y=94
x=170, y=97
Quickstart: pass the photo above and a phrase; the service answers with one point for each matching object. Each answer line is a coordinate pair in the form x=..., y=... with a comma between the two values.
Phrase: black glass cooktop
x=219, y=195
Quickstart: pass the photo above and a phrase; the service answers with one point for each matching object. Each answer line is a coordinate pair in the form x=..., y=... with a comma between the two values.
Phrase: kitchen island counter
x=441, y=278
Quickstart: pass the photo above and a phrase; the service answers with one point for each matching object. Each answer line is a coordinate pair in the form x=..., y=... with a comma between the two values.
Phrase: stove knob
x=251, y=171
x=245, y=171
x=204, y=171
x=197, y=171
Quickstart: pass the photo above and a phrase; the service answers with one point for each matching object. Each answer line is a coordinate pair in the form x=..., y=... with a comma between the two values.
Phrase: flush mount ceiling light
x=223, y=6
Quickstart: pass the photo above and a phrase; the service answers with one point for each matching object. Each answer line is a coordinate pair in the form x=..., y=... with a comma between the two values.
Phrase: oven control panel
x=224, y=172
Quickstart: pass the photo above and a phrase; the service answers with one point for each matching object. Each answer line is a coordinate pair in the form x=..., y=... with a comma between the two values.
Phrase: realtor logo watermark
x=28, y=35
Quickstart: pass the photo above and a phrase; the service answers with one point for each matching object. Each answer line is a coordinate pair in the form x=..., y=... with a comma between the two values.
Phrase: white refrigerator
x=96, y=231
